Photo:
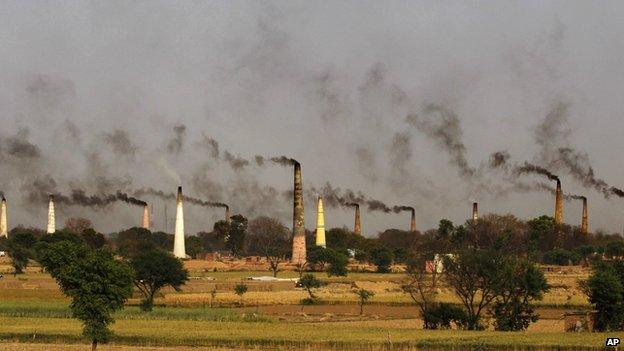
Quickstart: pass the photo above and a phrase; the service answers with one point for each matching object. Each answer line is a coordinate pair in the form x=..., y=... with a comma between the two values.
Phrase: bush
x=440, y=316
x=382, y=257
x=561, y=257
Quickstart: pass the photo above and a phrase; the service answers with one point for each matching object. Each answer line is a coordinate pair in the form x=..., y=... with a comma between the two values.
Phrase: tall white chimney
x=179, y=250
x=4, y=228
x=51, y=216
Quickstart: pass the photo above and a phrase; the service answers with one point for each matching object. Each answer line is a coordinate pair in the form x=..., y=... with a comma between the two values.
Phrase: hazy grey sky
x=99, y=86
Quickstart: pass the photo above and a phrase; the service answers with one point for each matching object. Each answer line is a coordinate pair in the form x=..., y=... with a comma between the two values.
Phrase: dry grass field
x=34, y=315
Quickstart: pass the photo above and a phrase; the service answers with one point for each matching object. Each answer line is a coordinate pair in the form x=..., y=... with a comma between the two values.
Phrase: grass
x=403, y=334
x=61, y=310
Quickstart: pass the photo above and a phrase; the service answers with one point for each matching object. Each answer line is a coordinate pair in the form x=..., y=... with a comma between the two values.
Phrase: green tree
x=92, y=238
x=561, y=257
x=363, y=296
x=615, y=249
x=337, y=263
x=475, y=277
x=268, y=237
x=240, y=289
x=193, y=245
x=133, y=241
x=236, y=236
x=98, y=284
x=521, y=283
x=309, y=282
x=605, y=290
x=154, y=270
x=382, y=257
x=19, y=249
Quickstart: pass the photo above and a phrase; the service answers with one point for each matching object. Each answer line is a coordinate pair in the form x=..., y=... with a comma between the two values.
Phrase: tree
x=474, y=275
x=19, y=249
x=520, y=284
x=98, y=284
x=240, y=289
x=605, y=290
x=154, y=270
x=237, y=231
x=269, y=238
x=363, y=296
x=309, y=282
x=615, y=249
x=337, y=263
x=77, y=225
x=561, y=257
x=92, y=238
x=133, y=241
x=193, y=245
x=382, y=257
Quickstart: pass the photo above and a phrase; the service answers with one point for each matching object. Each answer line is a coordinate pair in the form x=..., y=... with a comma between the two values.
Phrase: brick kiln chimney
x=584, y=221
x=51, y=216
x=179, y=250
x=357, y=227
x=4, y=228
x=413, y=221
x=320, y=224
x=299, y=245
x=228, y=214
x=559, y=204
x=146, y=217
x=475, y=213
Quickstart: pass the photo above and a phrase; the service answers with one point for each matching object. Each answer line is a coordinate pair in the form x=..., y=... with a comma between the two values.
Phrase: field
x=34, y=315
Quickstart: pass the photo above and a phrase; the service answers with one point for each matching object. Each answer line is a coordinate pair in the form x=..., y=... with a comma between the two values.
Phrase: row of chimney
x=299, y=246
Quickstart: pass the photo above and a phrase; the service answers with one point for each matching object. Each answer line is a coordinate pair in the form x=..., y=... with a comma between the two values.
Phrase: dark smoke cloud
x=400, y=153
x=119, y=141
x=170, y=196
x=499, y=159
x=551, y=133
x=335, y=197
x=366, y=162
x=212, y=145
x=19, y=146
x=443, y=126
x=175, y=145
x=235, y=162
x=80, y=198
x=398, y=209
x=528, y=168
x=279, y=160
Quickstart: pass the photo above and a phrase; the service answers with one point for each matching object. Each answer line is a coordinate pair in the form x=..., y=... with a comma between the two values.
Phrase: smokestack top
x=558, y=181
x=51, y=197
x=3, y=198
x=179, y=190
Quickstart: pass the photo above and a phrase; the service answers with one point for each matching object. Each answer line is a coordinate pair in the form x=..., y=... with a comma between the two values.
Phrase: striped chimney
x=4, y=228
x=179, y=250
x=559, y=204
x=584, y=221
x=146, y=217
x=357, y=227
x=299, y=244
x=51, y=216
x=413, y=221
x=228, y=214
x=320, y=224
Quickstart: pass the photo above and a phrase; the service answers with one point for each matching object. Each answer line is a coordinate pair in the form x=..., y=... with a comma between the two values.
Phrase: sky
x=403, y=101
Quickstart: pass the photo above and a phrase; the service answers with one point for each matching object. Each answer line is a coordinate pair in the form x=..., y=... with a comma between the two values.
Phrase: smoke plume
x=120, y=142
x=19, y=145
x=529, y=168
x=175, y=145
x=443, y=126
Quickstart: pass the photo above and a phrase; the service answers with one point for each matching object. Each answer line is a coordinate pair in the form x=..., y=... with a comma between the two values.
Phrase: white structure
x=51, y=216
x=4, y=228
x=179, y=249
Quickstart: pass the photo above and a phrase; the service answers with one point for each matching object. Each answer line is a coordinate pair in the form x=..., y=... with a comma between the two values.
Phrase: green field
x=34, y=314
